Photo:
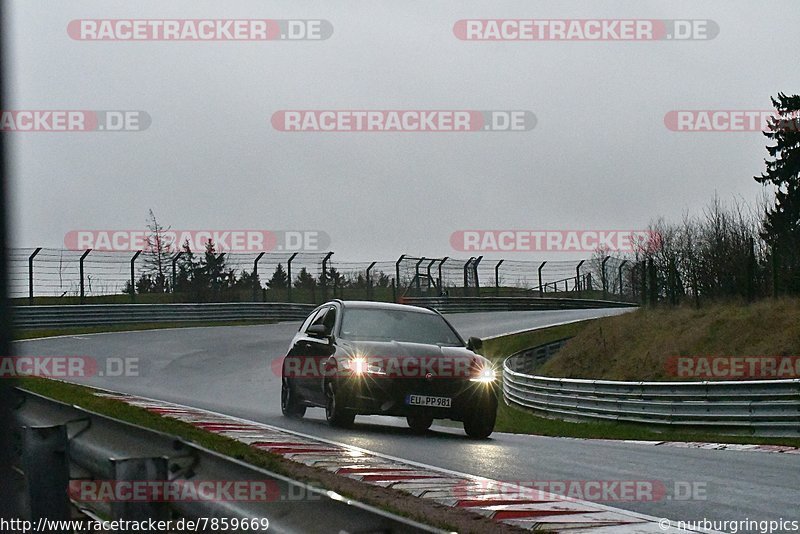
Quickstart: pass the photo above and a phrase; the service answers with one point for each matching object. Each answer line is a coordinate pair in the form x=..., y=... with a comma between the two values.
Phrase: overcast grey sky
x=600, y=156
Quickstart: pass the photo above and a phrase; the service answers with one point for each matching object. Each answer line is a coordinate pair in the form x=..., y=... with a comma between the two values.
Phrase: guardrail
x=758, y=407
x=60, y=443
x=476, y=304
x=109, y=314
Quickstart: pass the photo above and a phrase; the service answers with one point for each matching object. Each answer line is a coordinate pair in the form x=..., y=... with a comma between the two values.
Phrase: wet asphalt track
x=227, y=369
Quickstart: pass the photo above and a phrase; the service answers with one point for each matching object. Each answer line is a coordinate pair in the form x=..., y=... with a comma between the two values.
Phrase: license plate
x=427, y=400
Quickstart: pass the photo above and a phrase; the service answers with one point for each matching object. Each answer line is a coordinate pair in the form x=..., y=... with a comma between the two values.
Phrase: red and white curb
x=516, y=505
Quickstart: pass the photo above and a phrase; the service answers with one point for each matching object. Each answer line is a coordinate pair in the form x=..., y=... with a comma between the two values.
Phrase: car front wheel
x=419, y=423
x=335, y=412
x=479, y=423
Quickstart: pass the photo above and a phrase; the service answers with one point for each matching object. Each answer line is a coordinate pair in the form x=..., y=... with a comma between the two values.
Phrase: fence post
x=416, y=274
x=133, y=275
x=477, y=280
x=466, y=276
x=83, y=294
x=289, y=275
x=603, y=275
x=369, y=280
x=175, y=272
x=578, y=276
x=30, y=274
x=256, y=282
x=394, y=291
x=497, y=278
x=619, y=270
x=751, y=271
x=324, y=278
x=541, y=290
x=430, y=278
x=397, y=276
x=441, y=287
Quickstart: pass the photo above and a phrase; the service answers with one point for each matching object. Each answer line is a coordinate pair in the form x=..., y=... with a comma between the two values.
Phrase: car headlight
x=360, y=365
x=485, y=375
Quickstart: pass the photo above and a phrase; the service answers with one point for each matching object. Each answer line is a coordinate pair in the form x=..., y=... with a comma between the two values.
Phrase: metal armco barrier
x=59, y=441
x=478, y=304
x=757, y=407
x=109, y=314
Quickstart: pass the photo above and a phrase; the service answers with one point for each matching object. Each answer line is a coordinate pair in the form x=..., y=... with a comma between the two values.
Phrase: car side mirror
x=317, y=330
x=474, y=343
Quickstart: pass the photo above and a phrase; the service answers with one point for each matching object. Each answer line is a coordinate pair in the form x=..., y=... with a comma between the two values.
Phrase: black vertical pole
x=256, y=282
x=397, y=276
x=466, y=276
x=30, y=274
x=497, y=278
x=605, y=277
x=653, y=285
x=751, y=271
x=578, y=276
x=441, y=287
x=81, y=273
x=369, y=280
x=416, y=274
x=133, y=275
x=475, y=271
x=324, y=278
x=541, y=289
x=289, y=276
x=430, y=278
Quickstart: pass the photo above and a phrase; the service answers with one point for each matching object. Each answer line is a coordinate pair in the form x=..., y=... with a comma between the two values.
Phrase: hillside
x=644, y=345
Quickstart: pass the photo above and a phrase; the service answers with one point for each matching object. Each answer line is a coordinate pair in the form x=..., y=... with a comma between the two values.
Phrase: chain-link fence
x=55, y=276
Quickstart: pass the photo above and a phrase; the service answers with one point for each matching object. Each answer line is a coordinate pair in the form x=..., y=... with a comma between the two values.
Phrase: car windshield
x=397, y=325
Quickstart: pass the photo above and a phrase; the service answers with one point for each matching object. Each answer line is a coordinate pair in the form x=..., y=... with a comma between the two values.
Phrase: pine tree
x=279, y=280
x=782, y=221
x=158, y=254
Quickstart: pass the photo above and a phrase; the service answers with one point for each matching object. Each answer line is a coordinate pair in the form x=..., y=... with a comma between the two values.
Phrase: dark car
x=370, y=358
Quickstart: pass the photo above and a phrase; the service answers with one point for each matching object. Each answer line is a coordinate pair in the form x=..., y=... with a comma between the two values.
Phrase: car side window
x=330, y=319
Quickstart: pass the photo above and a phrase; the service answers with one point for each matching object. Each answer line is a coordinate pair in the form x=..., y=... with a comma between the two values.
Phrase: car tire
x=479, y=423
x=290, y=404
x=334, y=412
x=419, y=423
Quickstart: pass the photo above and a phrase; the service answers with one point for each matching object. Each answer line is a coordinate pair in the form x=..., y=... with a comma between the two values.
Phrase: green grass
x=637, y=346
x=520, y=421
x=35, y=333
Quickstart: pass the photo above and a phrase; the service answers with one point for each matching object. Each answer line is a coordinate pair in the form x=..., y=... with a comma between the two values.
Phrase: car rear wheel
x=479, y=423
x=419, y=423
x=335, y=412
x=290, y=404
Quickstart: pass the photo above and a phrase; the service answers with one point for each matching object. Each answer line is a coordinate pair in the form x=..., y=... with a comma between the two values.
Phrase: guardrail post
x=133, y=275
x=441, y=287
x=619, y=270
x=497, y=278
x=475, y=271
x=397, y=276
x=136, y=469
x=541, y=290
x=80, y=263
x=466, y=276
x=416, y=273
x=44, y=460
x=256, y=282
x=369, y=280
x=603, y=275
x=30, y=274
x=578, y=276
x=174, y=271
x=289, y=276
x=324, y=278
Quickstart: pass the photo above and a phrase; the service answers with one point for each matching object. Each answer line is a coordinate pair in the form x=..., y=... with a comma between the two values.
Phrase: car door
x=311, y=353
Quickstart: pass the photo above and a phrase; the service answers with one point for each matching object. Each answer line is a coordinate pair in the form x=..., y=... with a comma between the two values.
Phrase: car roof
x=372, y=305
